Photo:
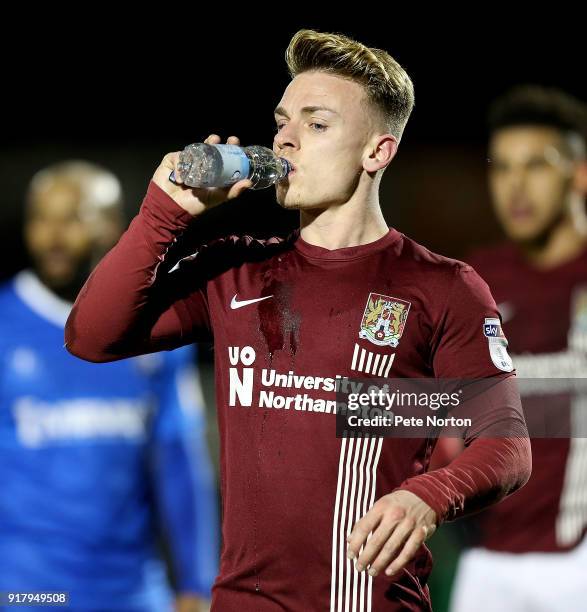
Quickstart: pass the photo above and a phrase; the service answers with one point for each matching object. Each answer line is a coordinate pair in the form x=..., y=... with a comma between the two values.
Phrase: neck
x=560, y=245
x=67, y=291
x=357, y=221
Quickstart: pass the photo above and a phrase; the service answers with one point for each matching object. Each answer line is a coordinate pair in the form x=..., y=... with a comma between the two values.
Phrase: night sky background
x=123, y=93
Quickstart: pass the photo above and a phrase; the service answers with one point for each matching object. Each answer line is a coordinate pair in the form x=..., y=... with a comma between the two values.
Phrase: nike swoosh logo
x=236, y=304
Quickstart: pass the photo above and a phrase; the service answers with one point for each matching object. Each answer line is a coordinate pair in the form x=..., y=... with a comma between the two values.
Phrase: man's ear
x=382, y=151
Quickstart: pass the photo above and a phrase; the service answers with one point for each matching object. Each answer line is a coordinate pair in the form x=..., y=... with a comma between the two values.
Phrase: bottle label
x=235, y=164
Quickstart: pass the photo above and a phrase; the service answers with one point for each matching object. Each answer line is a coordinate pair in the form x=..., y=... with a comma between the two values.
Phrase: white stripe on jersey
x=368, y=362
x=347, y=587
x=371, y=501
x=355, y=353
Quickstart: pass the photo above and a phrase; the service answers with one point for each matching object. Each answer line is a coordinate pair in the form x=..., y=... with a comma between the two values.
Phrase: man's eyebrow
x=306, y=110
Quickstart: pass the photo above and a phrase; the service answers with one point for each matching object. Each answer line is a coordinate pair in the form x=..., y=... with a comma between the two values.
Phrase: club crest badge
x=384, y=319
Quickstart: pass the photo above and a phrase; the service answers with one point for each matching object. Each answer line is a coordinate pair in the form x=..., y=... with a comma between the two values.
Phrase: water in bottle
x=221, y=165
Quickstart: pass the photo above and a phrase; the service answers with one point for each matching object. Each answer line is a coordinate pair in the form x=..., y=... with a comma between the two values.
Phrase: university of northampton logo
x=384, y=319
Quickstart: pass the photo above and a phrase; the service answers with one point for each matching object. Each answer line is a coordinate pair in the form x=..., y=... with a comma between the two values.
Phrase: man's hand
x=400, y=523
x=196, y=201
x=191, y=603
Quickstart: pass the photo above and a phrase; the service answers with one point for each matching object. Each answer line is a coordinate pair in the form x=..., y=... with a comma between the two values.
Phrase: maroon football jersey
x=544, y=314
x=289, y=320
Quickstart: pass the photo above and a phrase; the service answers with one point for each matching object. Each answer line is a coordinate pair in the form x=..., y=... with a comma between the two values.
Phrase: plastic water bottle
x=221, y=165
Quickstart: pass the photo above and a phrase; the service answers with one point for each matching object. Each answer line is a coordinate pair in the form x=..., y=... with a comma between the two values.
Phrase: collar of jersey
x=313, y=251
x=40, y=300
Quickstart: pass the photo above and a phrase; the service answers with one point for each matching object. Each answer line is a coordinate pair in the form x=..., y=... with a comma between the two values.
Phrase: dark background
x=124, y=90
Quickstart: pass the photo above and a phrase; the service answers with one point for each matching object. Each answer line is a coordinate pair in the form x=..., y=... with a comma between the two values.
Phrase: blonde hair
x=386, y=83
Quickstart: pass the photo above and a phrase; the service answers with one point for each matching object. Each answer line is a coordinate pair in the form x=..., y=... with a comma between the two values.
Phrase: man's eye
x=279, y=126
x=536, y=164
x=319, y=127
x=498, y=166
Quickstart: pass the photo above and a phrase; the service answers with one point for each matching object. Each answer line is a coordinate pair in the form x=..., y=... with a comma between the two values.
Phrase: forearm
x=496, y=461
x=118, y=313
x=484, y=473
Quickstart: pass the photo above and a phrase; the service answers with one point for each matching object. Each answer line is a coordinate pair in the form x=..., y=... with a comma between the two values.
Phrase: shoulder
x=7, y=290
x=235, y=249
x=442, y=282
x=10, y=302
x=247, y=242
x=15, y=317
x=431, y=265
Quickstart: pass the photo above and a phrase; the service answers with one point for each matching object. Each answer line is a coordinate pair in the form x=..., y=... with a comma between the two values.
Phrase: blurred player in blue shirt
x=95, y=458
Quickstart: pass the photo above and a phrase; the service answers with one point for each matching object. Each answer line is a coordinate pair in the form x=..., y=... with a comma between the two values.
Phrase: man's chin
x=526, y=235
x=296, y=201
x=56, y=276
x=57, y=281
x=286, y=199
x=287, y=205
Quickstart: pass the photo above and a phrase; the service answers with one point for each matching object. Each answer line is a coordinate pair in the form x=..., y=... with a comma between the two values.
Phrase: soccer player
x=532, y=550
x=291, y=319
x=92, y=458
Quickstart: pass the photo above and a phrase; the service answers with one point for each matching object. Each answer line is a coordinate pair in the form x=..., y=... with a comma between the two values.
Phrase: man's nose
x=287, y=136
x=518, y=175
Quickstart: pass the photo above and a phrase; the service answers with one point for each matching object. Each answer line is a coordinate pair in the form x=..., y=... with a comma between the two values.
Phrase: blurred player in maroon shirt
x=290, y=318
x=532, y=553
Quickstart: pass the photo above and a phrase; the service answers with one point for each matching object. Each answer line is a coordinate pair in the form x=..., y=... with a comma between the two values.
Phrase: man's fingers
x=361, y=531
x=170, y=160
x=175, y=176
x=410, y=548
x=166, y=168
x=215, y=139
x=367, y=524
x=400, y=522
x=208, y=196
x=388, y=552
x=236, y=189
x=375, y=543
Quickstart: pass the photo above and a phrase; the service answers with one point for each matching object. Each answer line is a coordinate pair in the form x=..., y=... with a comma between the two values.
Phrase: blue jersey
x=90, y=456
